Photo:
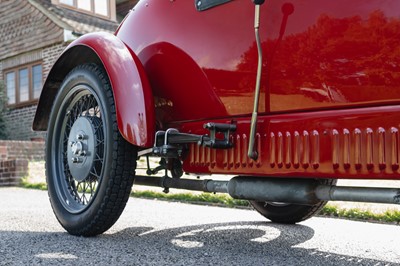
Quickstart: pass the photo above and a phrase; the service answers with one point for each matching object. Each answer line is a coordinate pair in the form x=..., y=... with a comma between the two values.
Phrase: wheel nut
x=76, y=160
x=80, y=137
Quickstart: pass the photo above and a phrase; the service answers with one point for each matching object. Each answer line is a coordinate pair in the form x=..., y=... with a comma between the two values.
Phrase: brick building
x=33, y=33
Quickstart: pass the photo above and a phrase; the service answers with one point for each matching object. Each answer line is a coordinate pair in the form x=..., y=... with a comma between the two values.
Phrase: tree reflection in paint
x=337, y=60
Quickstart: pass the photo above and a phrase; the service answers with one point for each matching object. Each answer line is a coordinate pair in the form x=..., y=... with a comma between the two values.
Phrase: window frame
x=16, y=70
x=92, y=12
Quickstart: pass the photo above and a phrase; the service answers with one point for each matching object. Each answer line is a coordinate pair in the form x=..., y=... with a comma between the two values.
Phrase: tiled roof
x=26, y=25
x=80, y=22
x=24, y=28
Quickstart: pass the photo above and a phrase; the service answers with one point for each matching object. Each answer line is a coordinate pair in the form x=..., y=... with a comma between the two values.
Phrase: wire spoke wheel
x=88, y=189
x=82, y=134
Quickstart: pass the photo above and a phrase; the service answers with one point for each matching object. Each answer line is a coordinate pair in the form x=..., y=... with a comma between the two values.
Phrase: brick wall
x=50, y=55
x=1, y=71
x=11, y=172
x=24, y=150
x=15, y=157
x=19, y=124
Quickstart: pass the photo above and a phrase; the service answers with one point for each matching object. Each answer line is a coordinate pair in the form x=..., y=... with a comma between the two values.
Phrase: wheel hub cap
x=82, y=147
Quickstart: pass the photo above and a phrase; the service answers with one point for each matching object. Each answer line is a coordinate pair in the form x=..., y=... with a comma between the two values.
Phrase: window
x=85, y=4
x=37, y=81
x=10, y=83
x=24, y=84
x=67, y=2
x=99, y=7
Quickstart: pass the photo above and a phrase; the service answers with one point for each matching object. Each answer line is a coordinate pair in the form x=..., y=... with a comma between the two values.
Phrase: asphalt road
x=151, y=232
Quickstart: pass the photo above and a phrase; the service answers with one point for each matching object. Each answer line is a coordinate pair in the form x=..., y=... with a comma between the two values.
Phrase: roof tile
x=80, y=22
x=23, y=27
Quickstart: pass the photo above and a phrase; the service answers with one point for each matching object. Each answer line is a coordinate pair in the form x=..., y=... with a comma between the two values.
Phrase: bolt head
x=76, y=160
x=81, y=136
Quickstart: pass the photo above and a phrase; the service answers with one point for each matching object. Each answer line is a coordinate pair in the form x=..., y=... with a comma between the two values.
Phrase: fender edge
x=132, y=92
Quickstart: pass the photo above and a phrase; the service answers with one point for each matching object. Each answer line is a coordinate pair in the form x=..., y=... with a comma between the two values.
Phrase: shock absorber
x=252, y=153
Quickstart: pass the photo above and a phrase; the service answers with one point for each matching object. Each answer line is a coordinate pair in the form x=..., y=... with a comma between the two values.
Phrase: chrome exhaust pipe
x=305, y=192
x=358, y=194
x=273, y=190
x=296, y=191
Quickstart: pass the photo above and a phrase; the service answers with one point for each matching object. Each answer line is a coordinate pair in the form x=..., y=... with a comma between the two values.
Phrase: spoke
x=84, y=199
x=95, y=172
x=96, y=110
x=98, y=160
x=82, y=193
x=92, y=105
x=100, y=143
x=98, y=157
x=92, y=188
x=65, y=139
x=74, y=114
x=85, y=187
x=76, y=192
x=80, y=107
x=100, y=127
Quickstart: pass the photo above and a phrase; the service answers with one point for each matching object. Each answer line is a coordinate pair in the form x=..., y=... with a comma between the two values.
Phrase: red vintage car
x=286, y=95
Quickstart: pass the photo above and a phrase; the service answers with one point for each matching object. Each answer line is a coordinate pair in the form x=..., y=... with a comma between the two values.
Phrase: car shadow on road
x=239, y=243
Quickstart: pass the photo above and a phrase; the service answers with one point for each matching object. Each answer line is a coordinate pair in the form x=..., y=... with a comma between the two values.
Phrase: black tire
x=287, y=213
x=89, y=166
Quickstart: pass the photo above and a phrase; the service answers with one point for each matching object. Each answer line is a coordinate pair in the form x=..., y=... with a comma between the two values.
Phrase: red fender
x=132, y=92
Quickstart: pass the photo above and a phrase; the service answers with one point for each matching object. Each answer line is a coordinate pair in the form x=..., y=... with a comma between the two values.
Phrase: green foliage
x=390, y=216
x=220, y=199
x=26, y=184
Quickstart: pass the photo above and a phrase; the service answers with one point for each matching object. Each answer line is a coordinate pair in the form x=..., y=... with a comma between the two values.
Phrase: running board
x=278, y=190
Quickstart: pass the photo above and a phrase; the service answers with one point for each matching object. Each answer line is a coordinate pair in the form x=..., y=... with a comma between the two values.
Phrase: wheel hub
x=82, y=147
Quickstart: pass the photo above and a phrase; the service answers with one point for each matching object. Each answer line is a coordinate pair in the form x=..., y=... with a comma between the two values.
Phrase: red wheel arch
x=132, y=92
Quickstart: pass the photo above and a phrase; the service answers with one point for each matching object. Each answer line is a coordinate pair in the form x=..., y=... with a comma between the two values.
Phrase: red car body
x=329, y=102
x=287, y=95
x=330, y=85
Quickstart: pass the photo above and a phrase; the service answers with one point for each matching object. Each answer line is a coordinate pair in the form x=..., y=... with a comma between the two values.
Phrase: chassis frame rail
x=295, y=191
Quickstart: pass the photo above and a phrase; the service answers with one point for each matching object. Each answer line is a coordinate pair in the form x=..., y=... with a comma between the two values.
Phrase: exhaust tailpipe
x=305, y=192
x=273, y=190
x=296, y=191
